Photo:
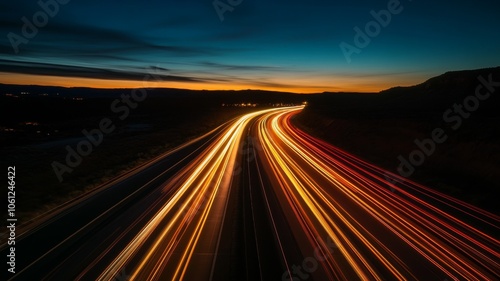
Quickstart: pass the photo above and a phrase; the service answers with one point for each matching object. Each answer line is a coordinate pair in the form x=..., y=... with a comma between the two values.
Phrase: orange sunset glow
x=290, y=84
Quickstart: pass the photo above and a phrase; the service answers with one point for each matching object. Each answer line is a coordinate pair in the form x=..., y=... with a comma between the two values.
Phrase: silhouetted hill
x=437, y=92
x=427, y=99
x=382, y=127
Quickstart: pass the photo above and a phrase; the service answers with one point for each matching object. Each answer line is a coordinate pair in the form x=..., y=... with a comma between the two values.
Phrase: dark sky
x=286, y=45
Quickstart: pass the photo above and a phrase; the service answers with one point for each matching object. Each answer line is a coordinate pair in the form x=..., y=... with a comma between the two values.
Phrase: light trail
x=172, y=236
x=308, y=211
x=405, y=234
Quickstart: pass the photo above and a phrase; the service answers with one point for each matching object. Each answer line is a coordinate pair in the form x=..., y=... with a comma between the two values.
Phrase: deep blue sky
x=287, y=45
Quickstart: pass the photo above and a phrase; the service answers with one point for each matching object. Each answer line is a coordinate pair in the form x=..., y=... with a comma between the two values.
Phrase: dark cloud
x=262, y=83
x=90, y=40
x=90, y=72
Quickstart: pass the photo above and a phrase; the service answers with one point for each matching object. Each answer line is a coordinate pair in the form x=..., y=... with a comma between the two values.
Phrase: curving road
x=368, y=223
x=258, y=199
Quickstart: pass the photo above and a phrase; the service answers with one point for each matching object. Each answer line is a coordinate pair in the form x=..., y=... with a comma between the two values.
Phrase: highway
x=259, y=199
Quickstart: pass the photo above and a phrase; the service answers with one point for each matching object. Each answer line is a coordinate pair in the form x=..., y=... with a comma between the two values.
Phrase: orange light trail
x=195, y=209
x=382, y=230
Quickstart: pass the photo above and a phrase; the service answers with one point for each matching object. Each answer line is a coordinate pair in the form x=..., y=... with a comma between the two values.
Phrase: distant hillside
x=381, y=127
x=438, y=92
x=429, y=98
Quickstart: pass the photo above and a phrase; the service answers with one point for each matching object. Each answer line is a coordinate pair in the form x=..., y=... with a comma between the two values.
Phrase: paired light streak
x=382, y=229
x=171, y=238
